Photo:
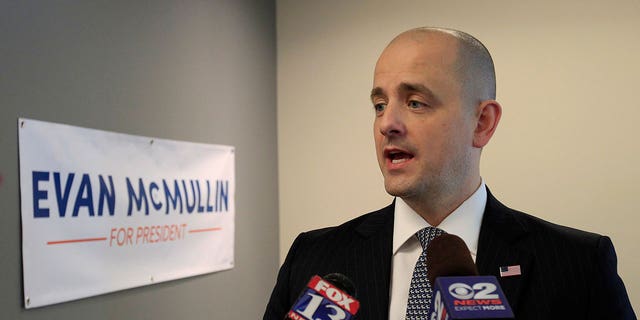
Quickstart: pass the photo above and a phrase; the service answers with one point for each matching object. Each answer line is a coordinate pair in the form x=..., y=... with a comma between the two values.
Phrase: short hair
x=474, y=63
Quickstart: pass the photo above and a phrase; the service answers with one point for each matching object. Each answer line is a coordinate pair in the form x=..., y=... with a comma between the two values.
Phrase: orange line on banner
x=76, y=240
x=204, y=230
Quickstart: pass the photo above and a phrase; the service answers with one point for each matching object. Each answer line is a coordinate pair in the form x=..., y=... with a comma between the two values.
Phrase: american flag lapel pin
x=510, y=271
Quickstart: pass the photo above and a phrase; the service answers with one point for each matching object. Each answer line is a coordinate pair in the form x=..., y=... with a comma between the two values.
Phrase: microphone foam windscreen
x=342, y=282
x=447, y=256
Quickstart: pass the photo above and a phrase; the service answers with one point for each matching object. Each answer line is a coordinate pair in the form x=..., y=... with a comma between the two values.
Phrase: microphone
x=459, y=292
x=448, y=256
x=328, y=298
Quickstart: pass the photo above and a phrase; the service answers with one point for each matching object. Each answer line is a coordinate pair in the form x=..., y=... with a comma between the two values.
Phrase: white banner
x=104, y=211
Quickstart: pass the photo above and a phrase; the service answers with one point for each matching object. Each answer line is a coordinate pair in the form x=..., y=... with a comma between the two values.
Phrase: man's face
x=423, y=131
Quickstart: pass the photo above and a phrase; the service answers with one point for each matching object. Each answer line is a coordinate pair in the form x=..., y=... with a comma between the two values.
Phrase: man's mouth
x=397, y=156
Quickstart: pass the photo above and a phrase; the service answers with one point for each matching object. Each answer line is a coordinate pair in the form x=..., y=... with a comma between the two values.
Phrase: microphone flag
x=322, y=300
x=470, y=297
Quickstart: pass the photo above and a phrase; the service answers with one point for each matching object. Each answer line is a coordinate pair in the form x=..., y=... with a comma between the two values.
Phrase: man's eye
x=415, y=104
x=379, y=107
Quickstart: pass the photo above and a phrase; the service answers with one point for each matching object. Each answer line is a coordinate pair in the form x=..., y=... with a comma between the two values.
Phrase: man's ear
x=488, y=115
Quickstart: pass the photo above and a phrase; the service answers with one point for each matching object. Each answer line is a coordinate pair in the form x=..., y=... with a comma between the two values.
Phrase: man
x=435, y=109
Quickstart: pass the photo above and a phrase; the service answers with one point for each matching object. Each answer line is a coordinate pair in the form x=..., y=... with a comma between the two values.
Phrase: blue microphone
x=458, y=291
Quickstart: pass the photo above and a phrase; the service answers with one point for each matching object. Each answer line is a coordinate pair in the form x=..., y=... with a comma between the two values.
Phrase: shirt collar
x=463, y=222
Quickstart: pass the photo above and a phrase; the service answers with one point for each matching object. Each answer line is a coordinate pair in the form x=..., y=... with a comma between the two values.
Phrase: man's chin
x=397, y=190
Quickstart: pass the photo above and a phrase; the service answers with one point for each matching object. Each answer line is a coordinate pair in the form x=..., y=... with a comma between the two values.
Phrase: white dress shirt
x=464, y=222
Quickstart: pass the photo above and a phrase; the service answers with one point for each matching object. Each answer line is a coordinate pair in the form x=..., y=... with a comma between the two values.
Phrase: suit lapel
x=374, y=255
x=504, y=241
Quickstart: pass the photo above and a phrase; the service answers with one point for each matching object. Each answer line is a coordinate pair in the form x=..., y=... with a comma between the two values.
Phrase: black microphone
x=448, y=256
x=459, y=292
x=342, y=282
x=326, y=298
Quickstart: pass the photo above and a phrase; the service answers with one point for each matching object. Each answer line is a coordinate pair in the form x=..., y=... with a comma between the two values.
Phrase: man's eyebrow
x=416, y=87
x=406, y=87
x=377, y=91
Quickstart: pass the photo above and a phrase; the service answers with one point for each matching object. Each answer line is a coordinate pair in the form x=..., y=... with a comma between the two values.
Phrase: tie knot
x=427, y=234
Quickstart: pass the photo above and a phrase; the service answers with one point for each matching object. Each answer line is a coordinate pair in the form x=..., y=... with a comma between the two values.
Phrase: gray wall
x=199, y=71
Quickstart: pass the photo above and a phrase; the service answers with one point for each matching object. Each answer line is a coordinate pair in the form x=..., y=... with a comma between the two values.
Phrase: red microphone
x=328, y=298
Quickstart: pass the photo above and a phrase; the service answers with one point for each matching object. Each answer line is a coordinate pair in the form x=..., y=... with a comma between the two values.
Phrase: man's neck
x=435, y=207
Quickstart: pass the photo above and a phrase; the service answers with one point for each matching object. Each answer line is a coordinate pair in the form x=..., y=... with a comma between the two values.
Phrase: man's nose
x=392, y=122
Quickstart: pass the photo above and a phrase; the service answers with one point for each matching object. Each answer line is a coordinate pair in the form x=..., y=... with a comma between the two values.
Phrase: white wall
x=566, y=149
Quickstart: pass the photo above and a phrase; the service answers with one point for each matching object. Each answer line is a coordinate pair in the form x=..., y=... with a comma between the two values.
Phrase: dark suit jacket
x=566, y=273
